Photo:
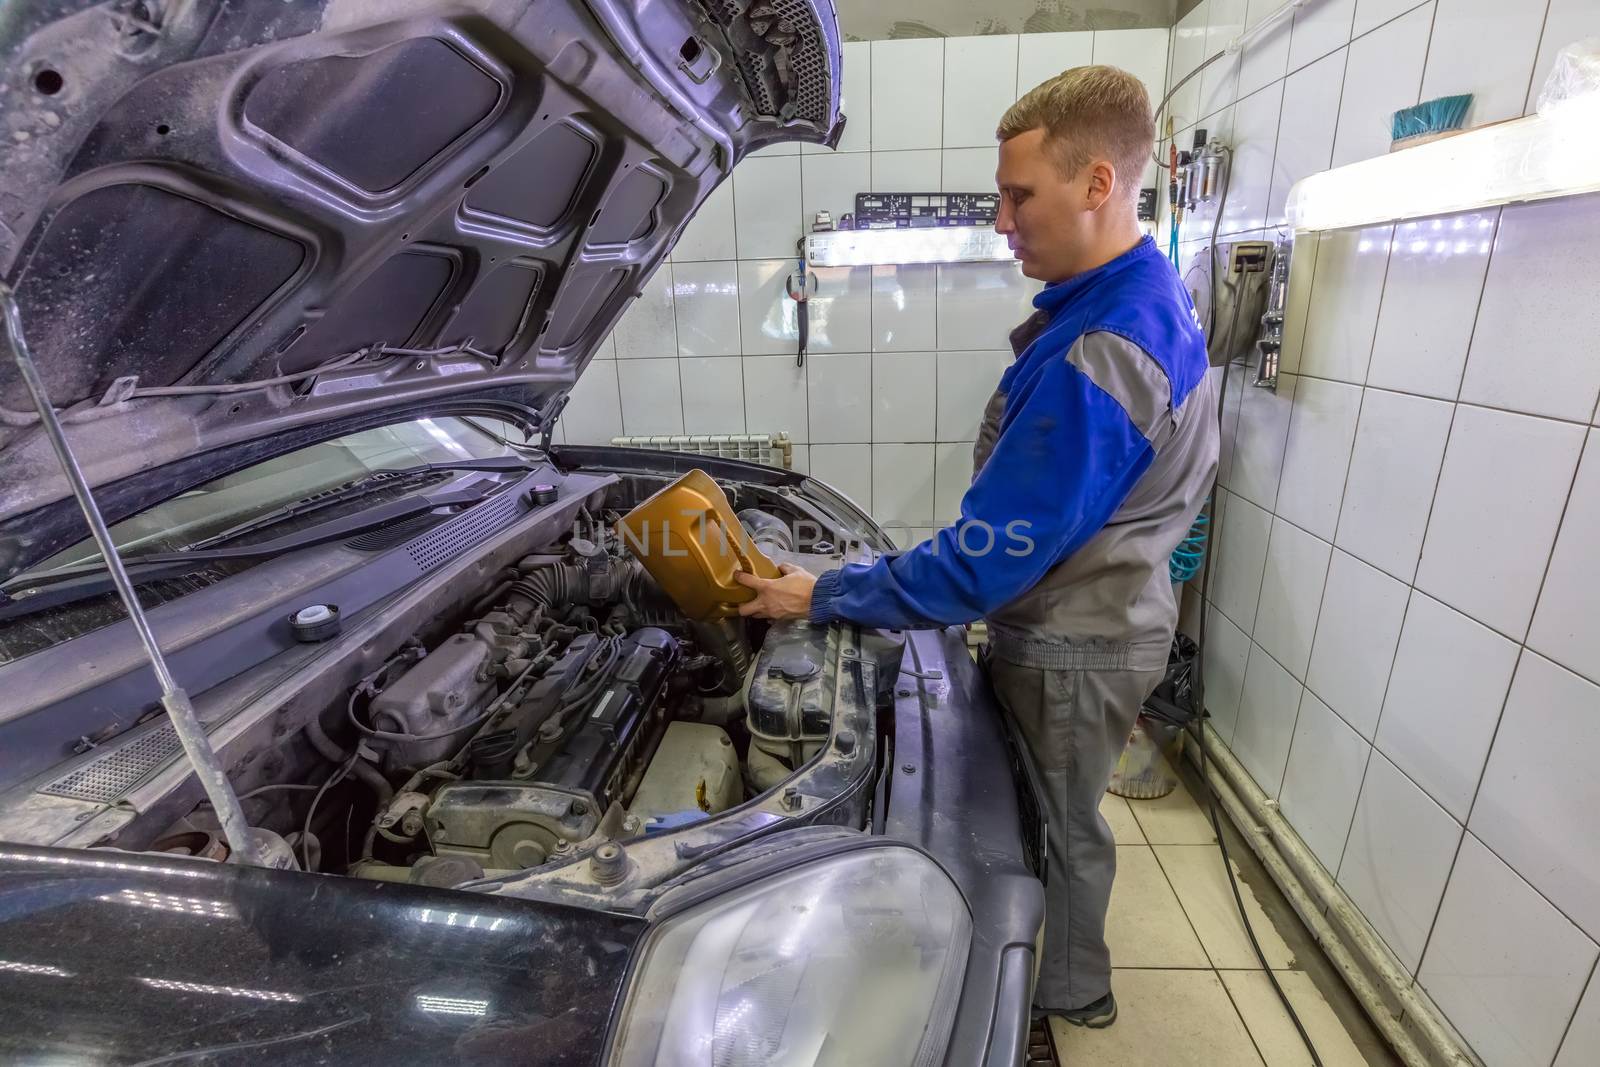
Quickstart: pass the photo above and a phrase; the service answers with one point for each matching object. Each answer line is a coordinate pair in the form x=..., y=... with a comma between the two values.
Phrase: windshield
x=248, y=494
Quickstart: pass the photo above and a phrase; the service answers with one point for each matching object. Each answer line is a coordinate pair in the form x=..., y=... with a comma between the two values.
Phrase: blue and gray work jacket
x=1095, y=454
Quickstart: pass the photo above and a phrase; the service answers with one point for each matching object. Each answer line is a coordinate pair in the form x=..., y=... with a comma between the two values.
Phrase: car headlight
x=849, y=960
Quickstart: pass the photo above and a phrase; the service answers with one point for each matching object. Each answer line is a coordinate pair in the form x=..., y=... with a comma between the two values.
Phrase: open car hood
x=371, y=206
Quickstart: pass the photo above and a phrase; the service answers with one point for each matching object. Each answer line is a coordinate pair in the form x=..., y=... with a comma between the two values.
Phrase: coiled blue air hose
x=1191, y=551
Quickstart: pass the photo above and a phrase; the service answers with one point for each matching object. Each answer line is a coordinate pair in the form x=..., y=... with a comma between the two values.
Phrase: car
x=307, y=284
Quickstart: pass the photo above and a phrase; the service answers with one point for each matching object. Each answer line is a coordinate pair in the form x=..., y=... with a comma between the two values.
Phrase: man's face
x=1044, y=214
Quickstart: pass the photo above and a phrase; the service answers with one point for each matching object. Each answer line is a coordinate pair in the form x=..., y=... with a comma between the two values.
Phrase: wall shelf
x=926, y=244
x=1538, y=157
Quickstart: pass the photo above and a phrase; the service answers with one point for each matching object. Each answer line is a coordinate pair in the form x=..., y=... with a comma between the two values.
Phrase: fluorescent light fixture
x=927, y=244
x=1539, y=157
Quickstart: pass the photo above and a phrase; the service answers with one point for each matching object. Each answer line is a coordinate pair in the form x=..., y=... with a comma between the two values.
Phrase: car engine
x=574, y=704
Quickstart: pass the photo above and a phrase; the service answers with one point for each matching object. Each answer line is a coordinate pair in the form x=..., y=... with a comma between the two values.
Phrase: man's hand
x=788, y=597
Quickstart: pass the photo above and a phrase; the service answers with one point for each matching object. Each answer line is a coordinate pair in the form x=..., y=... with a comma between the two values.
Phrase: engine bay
x=570, y=706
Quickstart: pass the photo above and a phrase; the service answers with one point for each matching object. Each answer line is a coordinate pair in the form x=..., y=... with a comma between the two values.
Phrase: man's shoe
x=1096, y=1016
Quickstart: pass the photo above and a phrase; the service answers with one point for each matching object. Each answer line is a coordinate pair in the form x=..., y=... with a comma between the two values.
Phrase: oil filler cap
x=542, y=494
x=315, y=622
x=792, y=665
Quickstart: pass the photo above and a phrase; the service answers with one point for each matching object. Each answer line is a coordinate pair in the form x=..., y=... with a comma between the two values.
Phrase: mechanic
x=1093, y=457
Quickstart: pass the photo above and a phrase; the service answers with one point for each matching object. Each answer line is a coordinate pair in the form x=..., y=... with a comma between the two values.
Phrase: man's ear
x=1102, y=183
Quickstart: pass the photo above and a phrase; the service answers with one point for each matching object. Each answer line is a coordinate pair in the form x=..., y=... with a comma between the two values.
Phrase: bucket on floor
x=1145, y=770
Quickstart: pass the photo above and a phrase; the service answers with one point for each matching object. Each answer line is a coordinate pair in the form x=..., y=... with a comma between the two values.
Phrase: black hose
x=329, y=750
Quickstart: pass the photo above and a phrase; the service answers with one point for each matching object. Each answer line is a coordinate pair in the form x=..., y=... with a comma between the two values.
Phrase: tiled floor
x=1189, y=989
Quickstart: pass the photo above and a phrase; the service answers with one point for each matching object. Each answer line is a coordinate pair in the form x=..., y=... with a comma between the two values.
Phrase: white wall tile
x=1539, y=299
x=952, y=474
x=1495, y=515
x=1539, y=794
x=709, y=234
x=775, y=397
x=1142, y=53
x=1382, y=74
x=800, y=458
x=855, y=100
x=1449, y=683
x=1268, y=706
x=841, y=310
x=1319, y=29
x=1398, y=859
x=1326, y=763
x=1582, y=1044
x=905, y=307
x=830, y=181
x=1241, y=556
x=969, y=170
x=1497, y=77
x=1357, y=631
x=1344, y=303
x=1321, y=431
x=907, y=94
x=1263, y=429
x=980, y=303
x=908, y=171
x=904, y=390
x=1566, y=626
x=1227, y=653
x=966, y=382
x=1291, y=592
x=839, y=397
x=713, y=394
x=767, y=318
x=902, y=484
x=1305, y=131
x=1505, y=966
x=1219, y=83
x=594, y=414
x=1370, y=14
x=848, y=468
x=766, y=207
x=651, y=400
x=648, y=327
x=1255, y=140
x=1394, y=467
x=1430, y=301
x=980, y=82
x=1265, y=59
x=1188, y=52
x=1297, y=306
x=1041, y=56
x=706, y=302
x=1566, y=22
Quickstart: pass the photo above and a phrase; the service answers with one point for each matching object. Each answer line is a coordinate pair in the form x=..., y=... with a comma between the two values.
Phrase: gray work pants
x=1076, y=722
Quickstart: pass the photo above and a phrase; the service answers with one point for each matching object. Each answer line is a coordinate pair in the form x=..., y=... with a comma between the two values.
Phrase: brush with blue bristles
x=1428, y=120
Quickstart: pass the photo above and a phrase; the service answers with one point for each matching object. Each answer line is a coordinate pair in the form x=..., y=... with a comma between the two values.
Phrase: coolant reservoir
x=690, y=541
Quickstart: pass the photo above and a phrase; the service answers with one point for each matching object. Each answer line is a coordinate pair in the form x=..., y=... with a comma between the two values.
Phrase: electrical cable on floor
x=1198, y=722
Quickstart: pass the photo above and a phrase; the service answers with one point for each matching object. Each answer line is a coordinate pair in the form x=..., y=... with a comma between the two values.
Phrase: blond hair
x=1089, y=113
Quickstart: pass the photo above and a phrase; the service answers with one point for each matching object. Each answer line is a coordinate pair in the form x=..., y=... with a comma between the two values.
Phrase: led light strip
x=1539, y=157
x=926, y=244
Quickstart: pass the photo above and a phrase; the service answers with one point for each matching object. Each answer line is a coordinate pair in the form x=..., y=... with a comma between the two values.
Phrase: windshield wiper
x=77, y=583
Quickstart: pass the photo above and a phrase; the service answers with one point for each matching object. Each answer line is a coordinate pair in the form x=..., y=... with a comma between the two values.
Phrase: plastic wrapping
x=1576, y=76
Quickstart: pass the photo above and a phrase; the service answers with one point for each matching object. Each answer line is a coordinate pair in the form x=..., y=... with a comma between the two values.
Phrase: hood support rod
x=180, y=711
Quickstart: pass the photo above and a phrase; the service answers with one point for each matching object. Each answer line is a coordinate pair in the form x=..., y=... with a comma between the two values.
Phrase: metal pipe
x=1355, y=949
x=180, y=712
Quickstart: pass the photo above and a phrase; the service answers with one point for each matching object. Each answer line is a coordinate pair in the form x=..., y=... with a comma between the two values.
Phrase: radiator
x=772, y=449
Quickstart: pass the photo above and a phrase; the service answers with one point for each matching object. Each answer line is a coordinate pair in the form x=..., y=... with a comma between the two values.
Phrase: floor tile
x=1196, y=873
x=1175, y=819
x=1124, y=827
x=1145, y=925
x=1171, y=1018
x=1274, y=1033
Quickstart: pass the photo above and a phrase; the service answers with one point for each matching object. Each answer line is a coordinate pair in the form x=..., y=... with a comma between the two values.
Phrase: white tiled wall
x=1405, y=646
x=902, y=359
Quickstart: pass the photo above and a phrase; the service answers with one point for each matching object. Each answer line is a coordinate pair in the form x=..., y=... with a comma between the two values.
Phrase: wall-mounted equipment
x=1270, y=343
x=1231, y=304
x=1203, y=175
x=1147, y=204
